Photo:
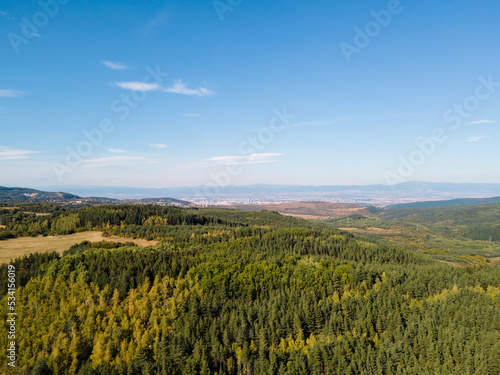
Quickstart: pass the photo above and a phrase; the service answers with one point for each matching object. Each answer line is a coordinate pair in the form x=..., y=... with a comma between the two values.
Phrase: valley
x=151, y=288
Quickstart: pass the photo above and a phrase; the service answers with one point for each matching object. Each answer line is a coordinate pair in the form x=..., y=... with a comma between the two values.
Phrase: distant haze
x=362, y=194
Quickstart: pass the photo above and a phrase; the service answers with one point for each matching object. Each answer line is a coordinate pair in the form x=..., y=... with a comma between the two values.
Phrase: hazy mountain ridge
x=17, y=194
x=446, y=203
x=377, y=195
x=405, y=186
x=27, y=195
x=416, y=194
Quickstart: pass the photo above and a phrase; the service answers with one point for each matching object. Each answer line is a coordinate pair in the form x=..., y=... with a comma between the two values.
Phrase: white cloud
x=324, y=123
x=190, y=114
x=115, y=150
x=160, y=20
x=115, y=65
x=117, y=161
x=179, y=87
x=263, y=155
x=311, y=123
x=429, y=138
x=226, y=158
x=28, y=31
x=475, y=139
x=14, y=154
x=5, y=93
x=481, y=122
x=5, y=15
x=138, y=86
x=158, y=145
x=259, y=158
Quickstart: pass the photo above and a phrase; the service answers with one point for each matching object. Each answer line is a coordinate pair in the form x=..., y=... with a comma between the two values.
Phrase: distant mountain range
x=446, y=203
x=409, y=187
x=378, y=195
x=26, y=195
x=16, y=194
x=409, y=194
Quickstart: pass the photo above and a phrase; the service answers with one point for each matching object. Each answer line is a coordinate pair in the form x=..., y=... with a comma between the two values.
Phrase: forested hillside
x=241, y=292
x=478, y=222
x=14, y=194
x=461, y=235
x=446, y=203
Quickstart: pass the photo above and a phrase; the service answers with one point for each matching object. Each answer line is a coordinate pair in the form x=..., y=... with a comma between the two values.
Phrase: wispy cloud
x=158, y=145
x=178, y=87
x=161, y=19
x=190, y=114
x=311, y=123
x=481, y=122
x=476, y=139
x=118, y=161
x=115, y=65
x=29, y=31
x=429, y=138
x=227, y=159
x=5, y=93
x=138, y=86
x=323, y=123
x=115, y=150
x=259, y=158
x=7, y=153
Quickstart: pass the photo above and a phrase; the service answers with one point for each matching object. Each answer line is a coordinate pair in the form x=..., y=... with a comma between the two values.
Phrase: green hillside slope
x=239, y=292
x=446, y=203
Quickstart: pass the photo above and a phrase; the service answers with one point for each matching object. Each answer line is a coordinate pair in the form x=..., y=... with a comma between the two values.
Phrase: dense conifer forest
x=240, y=292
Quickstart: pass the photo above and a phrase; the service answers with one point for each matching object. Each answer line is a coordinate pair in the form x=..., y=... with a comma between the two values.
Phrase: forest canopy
x=239, y=292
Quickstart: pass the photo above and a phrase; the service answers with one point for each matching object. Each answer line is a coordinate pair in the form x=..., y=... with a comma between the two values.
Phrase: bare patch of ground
x=21, y=246
x=307, y=217
x=26, y=212
x=383, y=230
x=371, y=230
x=454, y=264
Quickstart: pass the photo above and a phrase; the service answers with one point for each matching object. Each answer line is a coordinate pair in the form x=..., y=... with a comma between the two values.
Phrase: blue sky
x=232, y=65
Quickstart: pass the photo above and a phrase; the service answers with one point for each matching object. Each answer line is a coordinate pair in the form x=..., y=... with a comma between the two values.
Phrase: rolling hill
x=24, y=195
x=446, y=203
x=16, y=195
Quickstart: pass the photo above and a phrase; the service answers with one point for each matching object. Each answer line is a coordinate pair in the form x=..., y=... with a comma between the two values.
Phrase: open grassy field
x=17, y=247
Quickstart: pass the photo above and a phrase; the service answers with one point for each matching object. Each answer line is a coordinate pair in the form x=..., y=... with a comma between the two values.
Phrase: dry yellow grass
x=17, y=247
x=37, y=213
x=383, y=230
x=371, y=230
x=307, y=217
x=26, y=212
x=454, y=264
